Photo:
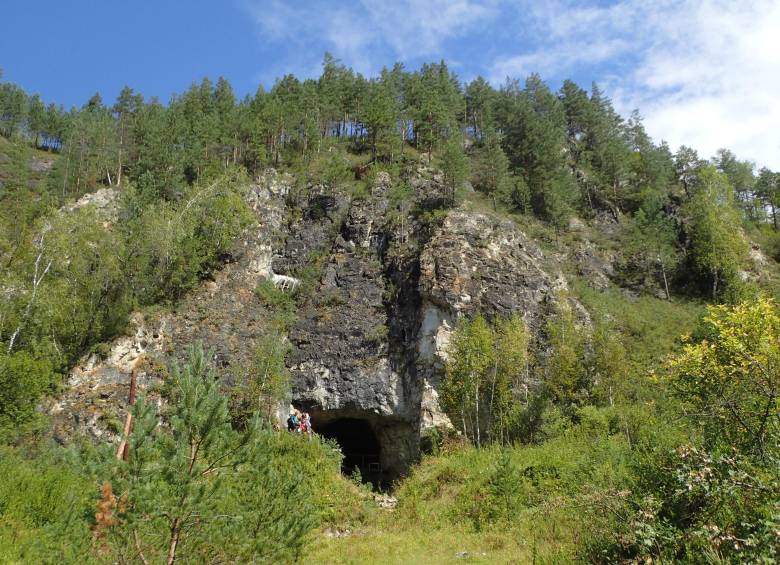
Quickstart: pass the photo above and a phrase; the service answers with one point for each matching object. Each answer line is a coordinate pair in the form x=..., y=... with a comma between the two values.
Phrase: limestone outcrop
x=380, y=286
x=477, y=263
x=222, y=314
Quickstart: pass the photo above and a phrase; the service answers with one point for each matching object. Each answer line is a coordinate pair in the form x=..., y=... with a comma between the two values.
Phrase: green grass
x=651, y=327
x=5, y=160
x=449, y=505
x=45, y=509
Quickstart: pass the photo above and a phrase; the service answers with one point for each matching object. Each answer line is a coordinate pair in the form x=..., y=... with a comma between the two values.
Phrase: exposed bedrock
x=222, y=314
x=371, y=345
x=345, y=363
x=370, y=341
x=477, y=263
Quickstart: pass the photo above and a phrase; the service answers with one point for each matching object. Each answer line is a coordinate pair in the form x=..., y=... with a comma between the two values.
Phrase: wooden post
x=123, y=451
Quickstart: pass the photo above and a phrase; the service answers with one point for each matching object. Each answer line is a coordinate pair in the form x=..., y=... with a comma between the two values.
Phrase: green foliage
x=718, y=247
x=609, y=363
x=377, y=336
x=652, y=250
x=251, y=496
x=192, y=489
x=566, y=378
x=331, y=169
x=24, y=378
x=274, y=297
x=528, y=498
x=691, y=506
x=485, y=368
x=265, y=384
x=534, y=140
x=470, y=359
x=454, y=166
x=731, y=378
x=648, y=328
x=44, y=507
x=602, y=481
x=173, y=245
x=491, y=170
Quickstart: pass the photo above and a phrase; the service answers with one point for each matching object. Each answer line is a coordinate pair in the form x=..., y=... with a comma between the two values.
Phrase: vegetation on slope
x=613, y=454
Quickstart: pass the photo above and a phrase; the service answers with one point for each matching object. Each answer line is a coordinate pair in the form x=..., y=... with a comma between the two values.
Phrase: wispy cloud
x=711, y=78
x=704, y=73
x=561, y=59
x=365, y=32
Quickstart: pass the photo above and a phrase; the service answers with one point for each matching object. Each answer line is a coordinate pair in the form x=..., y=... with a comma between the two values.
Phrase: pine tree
x=379, y=118
x=192, y=487
x=125, y=110
x=491, y=170
x=479, y=97
x=768, y=190
x=454, y=166
x=535, y=137
x=652, y=242
x=36, y=118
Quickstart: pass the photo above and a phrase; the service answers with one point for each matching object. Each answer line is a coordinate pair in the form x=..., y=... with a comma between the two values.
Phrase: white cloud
x=704, y=73
x=362, y=32
x=556, y=60
x=418, y=27
x=715, y=80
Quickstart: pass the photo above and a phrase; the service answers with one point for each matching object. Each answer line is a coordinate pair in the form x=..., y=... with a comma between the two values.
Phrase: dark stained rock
x=383, y=292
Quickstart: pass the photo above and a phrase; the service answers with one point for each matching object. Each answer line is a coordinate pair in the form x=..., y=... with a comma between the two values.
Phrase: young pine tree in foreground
x=194, y=489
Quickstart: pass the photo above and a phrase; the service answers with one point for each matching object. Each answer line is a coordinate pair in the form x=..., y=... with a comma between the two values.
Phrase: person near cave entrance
x=299, y=423
x=306, y=424
x=293, y=422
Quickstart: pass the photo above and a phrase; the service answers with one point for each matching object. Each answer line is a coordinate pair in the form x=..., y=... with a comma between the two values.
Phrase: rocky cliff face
x=370, y=340
x=222, y=313
x=477, y=263
x=347, y=363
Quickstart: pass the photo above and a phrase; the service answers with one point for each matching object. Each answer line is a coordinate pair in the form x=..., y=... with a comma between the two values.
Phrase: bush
x=204, y=492
x=730, y=378
x=44, y=508
x=274, y=297
x=174, y=245
x=691, y=506
x=265, y=384
x=23, y=379
x=332, y=169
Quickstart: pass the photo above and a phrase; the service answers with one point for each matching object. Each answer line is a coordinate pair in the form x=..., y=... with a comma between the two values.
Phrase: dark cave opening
x=359, y=445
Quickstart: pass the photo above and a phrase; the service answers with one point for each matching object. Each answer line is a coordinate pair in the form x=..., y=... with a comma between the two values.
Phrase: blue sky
x=705, y=73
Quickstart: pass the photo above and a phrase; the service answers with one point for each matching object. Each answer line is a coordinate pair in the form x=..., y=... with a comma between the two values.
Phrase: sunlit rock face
x=476, y=263
x=372, y=343
x=379, y=291
x=222, y=314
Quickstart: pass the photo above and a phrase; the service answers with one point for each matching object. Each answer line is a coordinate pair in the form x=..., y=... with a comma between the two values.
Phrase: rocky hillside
x=386, y=286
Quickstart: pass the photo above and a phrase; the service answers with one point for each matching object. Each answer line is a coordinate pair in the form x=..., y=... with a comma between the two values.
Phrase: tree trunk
x=476, y=404
x=714, y=284
x=119, y=168
x=666, y=282
x=175, y=529
x=123, y=451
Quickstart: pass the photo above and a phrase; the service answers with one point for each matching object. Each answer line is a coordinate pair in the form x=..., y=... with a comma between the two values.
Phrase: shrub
x=23, y=379
x=691, y=506
x=44, y=504
x=731, y=377
x=204, y=484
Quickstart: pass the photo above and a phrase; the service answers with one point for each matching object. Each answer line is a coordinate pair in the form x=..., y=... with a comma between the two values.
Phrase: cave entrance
x=359, y=445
